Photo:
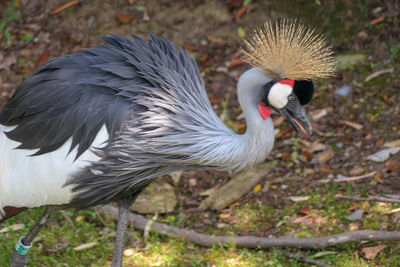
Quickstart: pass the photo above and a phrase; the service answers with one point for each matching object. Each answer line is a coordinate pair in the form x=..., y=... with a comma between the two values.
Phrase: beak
x=296, y=115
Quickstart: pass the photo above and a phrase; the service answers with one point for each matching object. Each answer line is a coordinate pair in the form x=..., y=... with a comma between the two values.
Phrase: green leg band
x=20, y=248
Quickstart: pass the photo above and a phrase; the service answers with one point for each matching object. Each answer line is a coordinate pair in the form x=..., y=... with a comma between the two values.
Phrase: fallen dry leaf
x=354, y=227
x=241, y=12
x=298, y=198
x=236, y=62
x=26, y=70
x=235, y=3
x=356, y=171
x=392, y=144
x=356, y=215
x=305, y=210
x=315, y=146
x=216, y=40
x=57, y=247
x=391, y=165
x=310, y=220
x=309, y=155
x=190, y=47
x=326, y=170
x=352, y=124
x=14, y=227
x=207, y=192
x=319, y=113
x=257, y=188
x=192, y=182
x=7, y=62
x=323, y=253
x=282, y=132
x=395, y=211
x=241, y=32
x=203, y=58
x=325, y=155
x=86, y=246
x=342, y=178
x=278, y=120
x=377, y=20
x=176, y=176
x=371, y=252
x=129, y=252
x=42, y=59
x=224, y=215
x=383, y=154
x=123, y=18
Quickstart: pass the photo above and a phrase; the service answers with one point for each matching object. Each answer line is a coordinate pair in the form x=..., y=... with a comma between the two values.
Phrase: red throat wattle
x=264, y=111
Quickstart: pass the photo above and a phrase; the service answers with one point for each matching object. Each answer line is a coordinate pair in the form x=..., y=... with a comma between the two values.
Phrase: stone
x=159, y=197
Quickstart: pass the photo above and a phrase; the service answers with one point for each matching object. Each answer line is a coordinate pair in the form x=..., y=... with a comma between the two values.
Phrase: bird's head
x=287, y=97
x=292, y=56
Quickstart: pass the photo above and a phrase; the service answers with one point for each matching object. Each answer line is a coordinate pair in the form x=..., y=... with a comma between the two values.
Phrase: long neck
x=259, y=136
x=233, y=151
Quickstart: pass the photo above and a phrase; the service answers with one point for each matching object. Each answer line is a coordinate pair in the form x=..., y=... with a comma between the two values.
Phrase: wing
x=73, y=96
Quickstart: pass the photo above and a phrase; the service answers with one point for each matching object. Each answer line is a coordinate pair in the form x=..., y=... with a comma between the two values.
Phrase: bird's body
x=100, y=125
x=168, y=125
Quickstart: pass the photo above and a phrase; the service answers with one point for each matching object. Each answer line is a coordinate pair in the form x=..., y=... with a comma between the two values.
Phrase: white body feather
x=39, y=180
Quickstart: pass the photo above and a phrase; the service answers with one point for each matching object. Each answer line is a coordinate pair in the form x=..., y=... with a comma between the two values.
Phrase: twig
x=347, y=179
x=304, y=259
x=64, y=6
x=67, y=218
x=140, y=222
x=17, y=47
x=378, y=73
x=370, y=198
x=148, y=226
x=393, y=211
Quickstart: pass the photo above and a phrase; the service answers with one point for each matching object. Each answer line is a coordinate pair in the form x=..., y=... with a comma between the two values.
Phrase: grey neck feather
x=231, y=151
x=259, y=137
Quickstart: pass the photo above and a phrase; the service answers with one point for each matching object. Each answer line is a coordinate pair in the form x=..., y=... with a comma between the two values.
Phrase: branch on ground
x=140, y=222
x=370, y=198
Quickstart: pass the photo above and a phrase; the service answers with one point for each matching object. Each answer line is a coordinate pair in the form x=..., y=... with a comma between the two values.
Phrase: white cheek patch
x=278, y=95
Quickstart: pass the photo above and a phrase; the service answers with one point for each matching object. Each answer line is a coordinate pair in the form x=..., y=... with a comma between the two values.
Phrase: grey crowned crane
x=102, y=124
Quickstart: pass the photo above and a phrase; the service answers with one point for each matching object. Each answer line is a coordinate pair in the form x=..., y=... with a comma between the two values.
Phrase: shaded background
x=354, y=115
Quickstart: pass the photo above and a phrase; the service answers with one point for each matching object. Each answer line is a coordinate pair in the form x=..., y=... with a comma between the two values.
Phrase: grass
x=8, y=15
x=59, y=238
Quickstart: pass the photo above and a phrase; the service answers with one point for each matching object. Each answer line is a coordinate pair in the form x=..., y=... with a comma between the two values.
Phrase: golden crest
x=286, y=49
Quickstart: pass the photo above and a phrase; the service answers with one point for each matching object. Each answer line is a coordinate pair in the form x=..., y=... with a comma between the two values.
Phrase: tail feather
x=2, y=214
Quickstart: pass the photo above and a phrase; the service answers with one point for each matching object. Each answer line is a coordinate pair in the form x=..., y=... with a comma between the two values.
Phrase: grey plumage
x=150, y=96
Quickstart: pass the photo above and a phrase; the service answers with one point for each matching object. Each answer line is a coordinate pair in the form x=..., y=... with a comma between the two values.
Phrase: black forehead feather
x=304, y=90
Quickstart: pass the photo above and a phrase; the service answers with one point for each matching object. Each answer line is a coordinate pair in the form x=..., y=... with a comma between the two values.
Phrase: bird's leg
x=123, y=216
x=120, y=237
x=19, y=253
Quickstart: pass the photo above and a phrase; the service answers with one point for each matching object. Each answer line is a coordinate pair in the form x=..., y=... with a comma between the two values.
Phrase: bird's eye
x=291, y=98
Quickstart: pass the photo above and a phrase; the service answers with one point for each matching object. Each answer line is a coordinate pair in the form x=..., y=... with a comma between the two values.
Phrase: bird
x=101, y=124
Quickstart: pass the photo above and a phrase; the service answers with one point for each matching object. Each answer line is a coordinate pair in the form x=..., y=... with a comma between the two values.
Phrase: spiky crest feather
x=288, y=49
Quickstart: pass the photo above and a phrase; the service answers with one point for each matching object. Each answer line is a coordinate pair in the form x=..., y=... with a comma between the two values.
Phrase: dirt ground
x=354, y=114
